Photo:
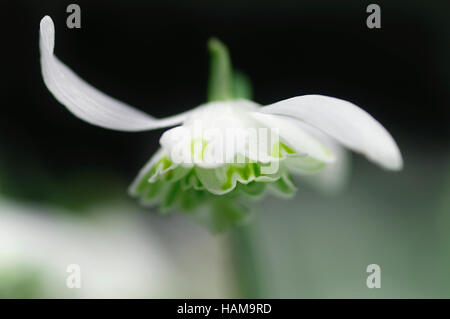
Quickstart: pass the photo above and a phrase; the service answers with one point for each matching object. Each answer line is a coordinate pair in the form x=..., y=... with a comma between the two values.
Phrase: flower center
x=217, y=133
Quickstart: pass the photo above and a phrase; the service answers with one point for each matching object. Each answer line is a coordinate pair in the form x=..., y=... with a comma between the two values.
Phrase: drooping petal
x=346, y=122
x=85, y=101
x=297, y=138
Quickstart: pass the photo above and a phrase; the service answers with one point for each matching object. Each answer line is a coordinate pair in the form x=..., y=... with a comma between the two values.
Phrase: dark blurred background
x=152, y=55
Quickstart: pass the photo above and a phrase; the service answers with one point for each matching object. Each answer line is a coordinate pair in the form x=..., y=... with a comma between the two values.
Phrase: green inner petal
x=220, y=180
x=191, y=189
x=215, y=197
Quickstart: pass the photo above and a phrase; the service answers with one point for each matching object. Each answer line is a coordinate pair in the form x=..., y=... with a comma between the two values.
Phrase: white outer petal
x=85, y=101
x=346, y=122
x=297, y=138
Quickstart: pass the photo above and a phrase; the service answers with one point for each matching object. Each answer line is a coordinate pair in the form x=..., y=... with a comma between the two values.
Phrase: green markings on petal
x=244, y=174
x=166, y=170
x=198, y=148
x=224, y=179
x=280, y=150
x=164, y=162
x=294, y=162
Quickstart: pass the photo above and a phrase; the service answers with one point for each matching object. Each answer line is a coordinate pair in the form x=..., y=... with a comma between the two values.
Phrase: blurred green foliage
x=20, y=281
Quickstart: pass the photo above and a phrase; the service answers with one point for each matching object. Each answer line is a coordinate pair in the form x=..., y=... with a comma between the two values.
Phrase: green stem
x=248, y=272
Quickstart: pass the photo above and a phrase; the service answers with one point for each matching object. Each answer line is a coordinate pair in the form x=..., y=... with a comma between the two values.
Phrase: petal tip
x=397, y=164
x=391, y=160
x=47, y=31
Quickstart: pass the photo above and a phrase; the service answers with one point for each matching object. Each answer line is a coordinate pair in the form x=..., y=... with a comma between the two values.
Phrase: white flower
x=310, y=129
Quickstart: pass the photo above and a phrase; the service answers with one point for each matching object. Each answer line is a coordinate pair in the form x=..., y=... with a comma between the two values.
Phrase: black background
x=152, y=55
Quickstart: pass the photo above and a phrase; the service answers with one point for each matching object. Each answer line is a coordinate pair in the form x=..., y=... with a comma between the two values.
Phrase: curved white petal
x=85, y=101
x=297, y=138
x=346, y=122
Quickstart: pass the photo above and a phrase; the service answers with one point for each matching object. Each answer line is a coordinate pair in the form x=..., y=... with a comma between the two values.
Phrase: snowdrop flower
x=216, y=151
